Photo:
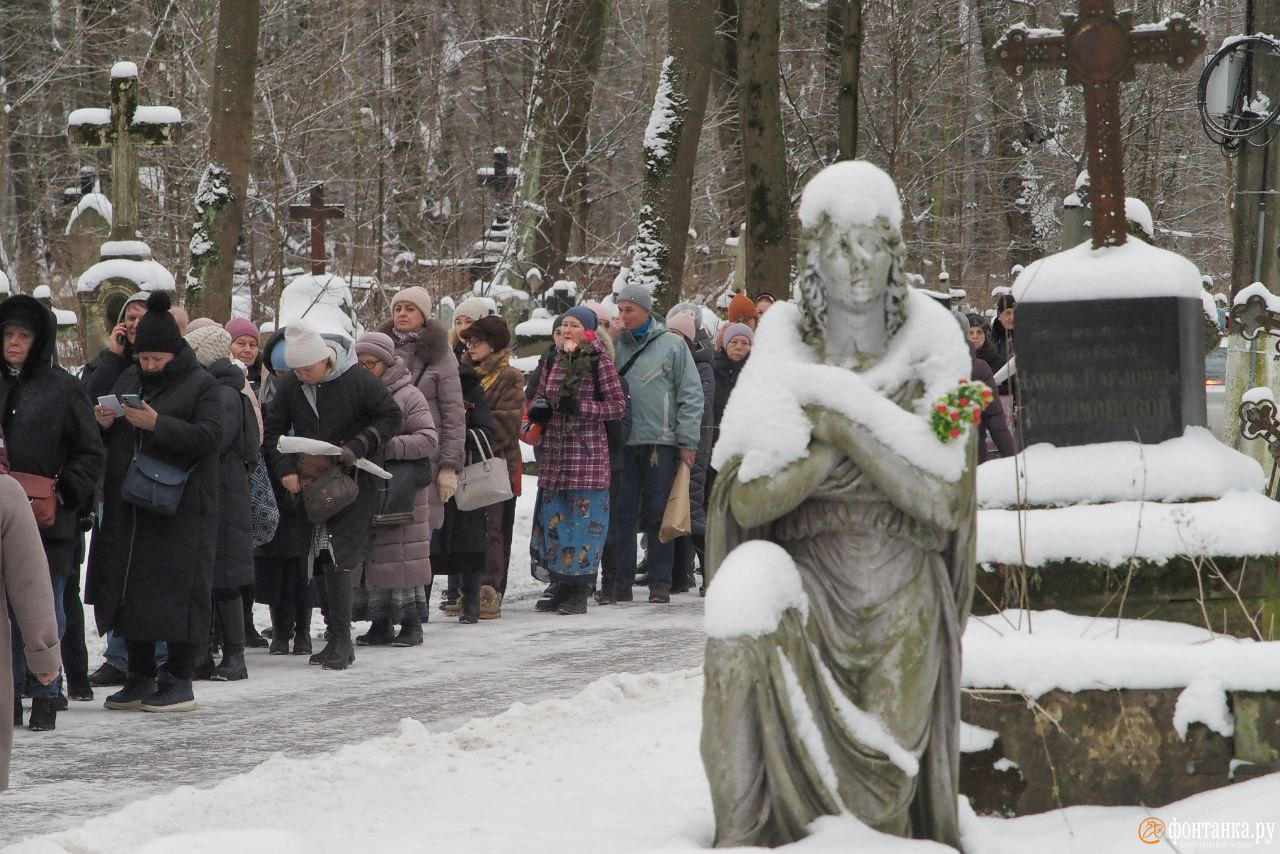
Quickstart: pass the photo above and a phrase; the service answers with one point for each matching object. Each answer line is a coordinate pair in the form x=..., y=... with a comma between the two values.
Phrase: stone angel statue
x=840, y=544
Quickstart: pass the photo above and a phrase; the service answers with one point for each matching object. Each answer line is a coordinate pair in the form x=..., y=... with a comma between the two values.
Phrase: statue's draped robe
x=889, y=589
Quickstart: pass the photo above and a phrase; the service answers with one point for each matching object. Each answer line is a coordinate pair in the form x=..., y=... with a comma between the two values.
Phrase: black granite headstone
x=1116, y=370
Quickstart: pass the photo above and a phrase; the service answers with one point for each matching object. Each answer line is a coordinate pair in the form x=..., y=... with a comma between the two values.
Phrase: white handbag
x=485, y=482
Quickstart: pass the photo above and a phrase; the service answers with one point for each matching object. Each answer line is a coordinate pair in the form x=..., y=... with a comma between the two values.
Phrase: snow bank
x=783, y=376
x=148, y=275
x=1240, y=524
x=1134, y=270
x=1193, y=466
x=851, y=192
x=1040, y=651
x=751, y=589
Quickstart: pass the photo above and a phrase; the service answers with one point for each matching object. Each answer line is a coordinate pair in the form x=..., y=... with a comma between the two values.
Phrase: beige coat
x=24, y=585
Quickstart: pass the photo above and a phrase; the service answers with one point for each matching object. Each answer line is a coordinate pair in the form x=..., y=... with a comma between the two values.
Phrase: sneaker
x=78, y=687
x=490, y=603
x=108, y=674
x=176, y=696
x=136, y=689
x=659, y=595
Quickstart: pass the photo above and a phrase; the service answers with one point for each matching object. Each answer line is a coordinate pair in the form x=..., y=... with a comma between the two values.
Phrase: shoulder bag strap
x=636, y=355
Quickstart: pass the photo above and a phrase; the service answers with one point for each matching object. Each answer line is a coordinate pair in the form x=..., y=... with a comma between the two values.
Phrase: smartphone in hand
x=131, y=400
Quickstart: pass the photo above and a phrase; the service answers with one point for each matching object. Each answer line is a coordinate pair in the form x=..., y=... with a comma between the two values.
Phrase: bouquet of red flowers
x=957, y=409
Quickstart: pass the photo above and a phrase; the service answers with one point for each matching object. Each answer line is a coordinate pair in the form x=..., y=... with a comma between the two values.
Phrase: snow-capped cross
x=124, y=128
x=317, y=211
x=1100, y=49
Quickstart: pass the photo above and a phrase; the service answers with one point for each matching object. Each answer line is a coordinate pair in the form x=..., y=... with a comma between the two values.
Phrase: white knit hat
x=210, y=343
x=475, y=308
x=303, y=346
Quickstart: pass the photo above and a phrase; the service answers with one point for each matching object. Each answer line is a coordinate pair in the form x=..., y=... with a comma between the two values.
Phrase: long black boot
x=326, y=608
x=469, y=596
x=232, y=667
x=302, y=630
x=252, y=639
x=281, y=630
x=337, y=582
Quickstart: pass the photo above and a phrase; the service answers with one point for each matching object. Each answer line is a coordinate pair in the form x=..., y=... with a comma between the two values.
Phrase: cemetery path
x=97, y=761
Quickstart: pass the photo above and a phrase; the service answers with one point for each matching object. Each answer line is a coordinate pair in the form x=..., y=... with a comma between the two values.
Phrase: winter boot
x=469, y=597
x=551, y=598
x=575, y=601
x=281, y=630
x=108, y=674
x=252, y=640
x=490, y=603
x=79, y=687
x=302, y=630
x=659, y=595
x=44, y=714
x=137, y=688
x=337, y=582
x=17, y=712
x=175, y=696
x=410, y=632
x=203, y=668
x=380, y=634
x=232, y=667
x=326, y=608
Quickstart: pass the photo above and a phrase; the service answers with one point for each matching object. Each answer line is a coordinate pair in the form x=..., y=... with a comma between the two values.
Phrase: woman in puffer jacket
x=390, y=587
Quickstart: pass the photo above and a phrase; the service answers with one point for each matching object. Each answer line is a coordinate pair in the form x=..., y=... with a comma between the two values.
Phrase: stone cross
x=317, y=211
x=1100, y=49
x=124, y=128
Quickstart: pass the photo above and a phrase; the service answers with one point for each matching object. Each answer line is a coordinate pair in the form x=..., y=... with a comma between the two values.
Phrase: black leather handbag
x=396, y=496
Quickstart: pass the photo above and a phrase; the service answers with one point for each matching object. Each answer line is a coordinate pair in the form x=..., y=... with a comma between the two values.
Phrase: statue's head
x=851, y=249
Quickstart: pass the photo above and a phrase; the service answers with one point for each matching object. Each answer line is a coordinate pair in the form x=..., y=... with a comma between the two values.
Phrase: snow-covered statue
x=840, y=546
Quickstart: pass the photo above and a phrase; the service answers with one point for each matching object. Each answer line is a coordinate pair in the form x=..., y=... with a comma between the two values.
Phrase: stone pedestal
x=1110, y=370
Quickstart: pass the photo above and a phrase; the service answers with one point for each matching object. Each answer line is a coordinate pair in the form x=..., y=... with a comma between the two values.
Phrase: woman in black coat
x=237, y=453
x=151, y=575
x=331, y=399
x=49, y=432
x=281, y=579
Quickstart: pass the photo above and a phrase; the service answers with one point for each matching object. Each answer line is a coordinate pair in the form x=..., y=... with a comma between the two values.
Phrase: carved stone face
x=855, y=267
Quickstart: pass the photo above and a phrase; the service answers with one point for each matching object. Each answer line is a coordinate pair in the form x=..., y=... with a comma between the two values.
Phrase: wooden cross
x=317, y=211
x=1101, y=49
x=500, y=177
x=124, y=128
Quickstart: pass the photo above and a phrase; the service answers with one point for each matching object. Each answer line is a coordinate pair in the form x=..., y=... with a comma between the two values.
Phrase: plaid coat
x=576, y=455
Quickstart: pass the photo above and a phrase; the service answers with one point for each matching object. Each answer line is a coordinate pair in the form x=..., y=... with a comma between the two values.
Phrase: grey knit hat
x=636, y=293
x=210, y=343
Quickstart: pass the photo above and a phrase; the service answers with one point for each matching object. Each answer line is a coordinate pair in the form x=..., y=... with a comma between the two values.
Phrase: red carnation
x=955, y=434
x=955, y=416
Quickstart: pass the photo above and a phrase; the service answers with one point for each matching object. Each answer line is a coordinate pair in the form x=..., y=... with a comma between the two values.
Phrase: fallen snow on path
x=614, y=769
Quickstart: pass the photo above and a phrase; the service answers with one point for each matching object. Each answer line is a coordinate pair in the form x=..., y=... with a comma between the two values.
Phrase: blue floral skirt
x=571, y=527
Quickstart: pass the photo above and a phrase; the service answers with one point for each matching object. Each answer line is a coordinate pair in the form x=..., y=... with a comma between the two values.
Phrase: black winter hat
x=157, y=330
x=27, y=312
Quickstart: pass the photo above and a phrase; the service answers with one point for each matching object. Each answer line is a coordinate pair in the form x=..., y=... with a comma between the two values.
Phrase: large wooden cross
x=124, y=128
x=1101, y=49
x=317, y=211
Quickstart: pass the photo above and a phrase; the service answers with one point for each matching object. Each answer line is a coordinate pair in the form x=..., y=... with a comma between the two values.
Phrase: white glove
x=447, y=484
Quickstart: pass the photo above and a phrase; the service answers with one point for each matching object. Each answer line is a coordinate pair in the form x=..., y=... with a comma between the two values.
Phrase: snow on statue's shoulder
x=851, y=192
x=783, y=376
x=752, y=588
x=1132, y=271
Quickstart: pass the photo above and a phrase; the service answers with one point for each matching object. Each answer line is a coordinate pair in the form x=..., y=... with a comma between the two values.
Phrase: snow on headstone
x=124, y=68
x=42, y=292
x=1137, y=212
x=324, y=300
x=148, y=275
x=96, y=202
x=1135, y=270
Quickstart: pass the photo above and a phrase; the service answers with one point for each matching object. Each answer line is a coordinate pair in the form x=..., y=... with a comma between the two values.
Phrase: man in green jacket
x=666, y=404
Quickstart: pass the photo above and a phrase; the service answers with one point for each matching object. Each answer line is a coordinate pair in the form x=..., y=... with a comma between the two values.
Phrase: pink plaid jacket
x=577, y=456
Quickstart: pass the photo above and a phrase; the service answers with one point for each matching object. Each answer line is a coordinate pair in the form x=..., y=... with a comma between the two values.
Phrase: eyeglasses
x=475, y=342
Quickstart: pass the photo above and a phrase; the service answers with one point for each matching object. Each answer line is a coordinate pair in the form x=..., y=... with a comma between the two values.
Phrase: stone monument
x=840, y=566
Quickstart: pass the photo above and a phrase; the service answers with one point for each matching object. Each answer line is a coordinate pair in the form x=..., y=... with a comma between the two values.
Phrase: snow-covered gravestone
x=840, y=543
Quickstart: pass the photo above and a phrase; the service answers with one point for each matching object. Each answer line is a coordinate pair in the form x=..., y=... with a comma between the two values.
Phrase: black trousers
x=142, y=658
x=75, y=655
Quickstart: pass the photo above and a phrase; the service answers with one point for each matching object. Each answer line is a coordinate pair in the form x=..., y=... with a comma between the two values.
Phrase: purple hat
x=378, y=345
x=733, y=330
x=238, y=326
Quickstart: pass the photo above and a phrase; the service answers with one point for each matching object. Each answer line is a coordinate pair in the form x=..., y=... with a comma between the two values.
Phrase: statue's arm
x=922, y=495
x=761, y=501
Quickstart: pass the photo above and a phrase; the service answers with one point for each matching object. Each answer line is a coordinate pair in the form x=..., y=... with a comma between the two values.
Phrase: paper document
x=110, y=401
x=320, y=448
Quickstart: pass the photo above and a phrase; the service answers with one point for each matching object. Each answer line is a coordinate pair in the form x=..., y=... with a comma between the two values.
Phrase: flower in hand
x=958, y=408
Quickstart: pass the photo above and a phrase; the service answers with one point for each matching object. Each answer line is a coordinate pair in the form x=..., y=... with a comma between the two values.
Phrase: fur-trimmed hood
x=432, y=343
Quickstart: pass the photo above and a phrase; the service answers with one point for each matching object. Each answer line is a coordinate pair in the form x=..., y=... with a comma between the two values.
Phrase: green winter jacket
x=666, y=392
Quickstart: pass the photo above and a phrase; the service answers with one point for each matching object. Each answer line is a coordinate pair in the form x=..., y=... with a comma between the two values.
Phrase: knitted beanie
x=239, y=326
x=741, y=308
x=378, y=345
x=735, y=329
x=636, y=293
x=585, y=316
x=200, y=323
x=157, y=330
x=604, y=313
x=492, y=329
x=474, y=308
x=684, y=324
x=418, y=297
x=210, y=344
x=303, y=345
x=274, y=358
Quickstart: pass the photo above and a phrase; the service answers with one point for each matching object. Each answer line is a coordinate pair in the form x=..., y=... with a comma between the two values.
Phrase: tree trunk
x=671, y=150
x=728, y=127
x=768, y=202
x=555, y=145
x=844, y=65
x=230, y=138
